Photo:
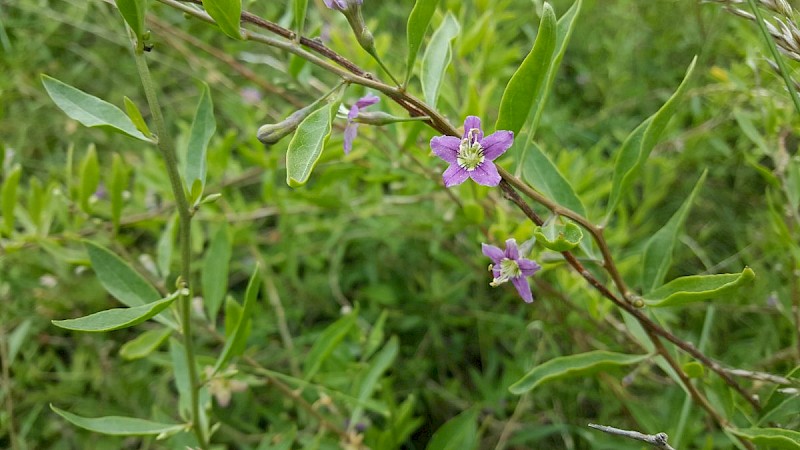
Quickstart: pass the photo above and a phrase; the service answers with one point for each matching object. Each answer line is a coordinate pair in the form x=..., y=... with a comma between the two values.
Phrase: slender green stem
x=377, y=59
x=167, y=150
x=776, y=55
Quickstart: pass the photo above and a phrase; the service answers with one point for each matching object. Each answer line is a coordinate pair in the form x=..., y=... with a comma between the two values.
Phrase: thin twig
x=656, y=440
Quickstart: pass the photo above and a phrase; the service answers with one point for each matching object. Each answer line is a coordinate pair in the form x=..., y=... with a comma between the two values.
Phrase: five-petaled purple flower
x=509, y=265
x=352, y=127
x=341, y=5
x=472, y=155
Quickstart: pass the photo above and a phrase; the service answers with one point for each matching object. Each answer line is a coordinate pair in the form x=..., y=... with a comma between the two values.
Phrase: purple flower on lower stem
x=508, y=265
x=351, y=130
x=472, y=155
x=341, y=5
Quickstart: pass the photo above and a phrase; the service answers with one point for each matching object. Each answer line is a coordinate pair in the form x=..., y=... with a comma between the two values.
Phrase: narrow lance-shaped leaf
x=144, y=344
x=525, y=84
x=300, y=7
x=116, y=187
x=379, y=364
x=564, y=28
x=136, y=116
x=121, y=281
x=133, y=11
x=571, y=366
x=240, y=333
x=658, y=251
x=89, y=176
x=8, y=198
x=437, y=58
x=117, y=318
x=214, y=279
x=119, y=426
x=638, y=145
x=459, y=433
x=90, y=110
x=696, y=288
x=227, y=14
x=203, y=127
x=327, y=342
x=774, y=438
x=540, y=172
x=307, y=144
x=418, y=22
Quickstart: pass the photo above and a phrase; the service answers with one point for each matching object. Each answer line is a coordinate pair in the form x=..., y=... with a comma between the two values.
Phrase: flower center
x=470, y=153
x=509, y=269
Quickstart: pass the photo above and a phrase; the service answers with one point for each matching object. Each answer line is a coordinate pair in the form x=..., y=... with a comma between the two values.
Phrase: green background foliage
x=375, y=232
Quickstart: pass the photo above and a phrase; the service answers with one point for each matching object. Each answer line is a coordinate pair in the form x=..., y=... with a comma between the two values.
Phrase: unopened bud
x=271, y=133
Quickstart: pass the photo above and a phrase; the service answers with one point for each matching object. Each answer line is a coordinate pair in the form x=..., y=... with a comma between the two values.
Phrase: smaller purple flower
x=341, y=5
x=351, y=130
x=508, y=265
x=472, y=155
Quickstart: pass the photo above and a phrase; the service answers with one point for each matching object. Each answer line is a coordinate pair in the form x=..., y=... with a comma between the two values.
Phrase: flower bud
x=352, y=11
x=271, y=133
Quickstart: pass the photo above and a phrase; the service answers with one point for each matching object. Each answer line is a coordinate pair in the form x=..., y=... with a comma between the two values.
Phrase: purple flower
x=352, y=127
x=341, y=5
x=509, y=265
x=472, y=155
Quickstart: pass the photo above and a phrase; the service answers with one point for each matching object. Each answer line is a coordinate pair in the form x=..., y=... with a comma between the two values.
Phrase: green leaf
x=571, y=366
x=459, y=433
x=117, y=318
x=437, y=58
x=638, y=145
x=300, y=7
x=166, y=245
x=119, y=426
x=136, y=117
x=181, y=377
x=227, y=14
x=418, y=22
x=327, y=342
x=90, y=110
x=8, y=198
x=144, y=344
x=116, y=188
x=89, y=175
x=307, y=144
x=524, y=86
x=559, y=237
x=203, y=127
x=564, y=28
x=214, y=279
x=16, y=338
x=540, y=172
x=696, y=288
x=121, y=281
x=133, y=11
x=378, y=365
x=240, y=333
x=657, y=256
x=774, y=438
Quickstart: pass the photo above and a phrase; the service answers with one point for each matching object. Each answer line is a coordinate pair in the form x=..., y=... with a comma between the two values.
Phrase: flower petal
x=446, y=147
x=486, y=174
x=524, y=289
x=497, y=143
x=528, y=267
x=353, y=113
x=473, y=122
x=369, y=99
x=350, y=133
x=512, y=251
x=493, y=253
x=454, y=175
